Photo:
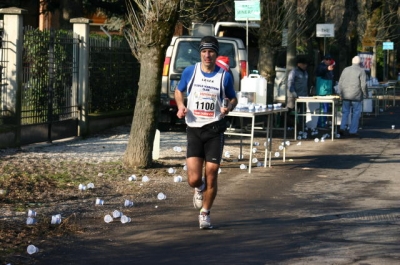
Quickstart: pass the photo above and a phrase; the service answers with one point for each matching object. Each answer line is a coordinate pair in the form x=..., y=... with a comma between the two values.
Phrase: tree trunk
x=139, y=150
x=150, y=34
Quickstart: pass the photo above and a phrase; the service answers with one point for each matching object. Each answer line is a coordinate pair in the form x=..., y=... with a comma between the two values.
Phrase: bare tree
x=151, y=26
x=275, y=15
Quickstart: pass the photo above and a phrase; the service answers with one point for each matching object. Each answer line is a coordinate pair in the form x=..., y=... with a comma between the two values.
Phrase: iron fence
x=48, y=68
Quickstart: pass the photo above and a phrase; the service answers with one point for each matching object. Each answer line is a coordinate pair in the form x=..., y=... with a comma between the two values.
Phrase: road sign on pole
x=325, y=30
x=247, y=10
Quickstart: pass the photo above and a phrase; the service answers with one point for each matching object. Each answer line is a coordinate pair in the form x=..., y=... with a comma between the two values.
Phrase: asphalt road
x=335, y=202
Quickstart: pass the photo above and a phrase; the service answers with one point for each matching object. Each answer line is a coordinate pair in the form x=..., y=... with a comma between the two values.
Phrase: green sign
x=247, y=10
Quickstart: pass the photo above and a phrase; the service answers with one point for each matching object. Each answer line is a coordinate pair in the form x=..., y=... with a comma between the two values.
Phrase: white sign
x=325, y=30
x=247, y=10
x=387, y=45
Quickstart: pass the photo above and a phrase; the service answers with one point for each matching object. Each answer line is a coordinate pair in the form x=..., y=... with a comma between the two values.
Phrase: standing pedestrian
x=297, y=82
x=297, y=86
x=210, y=97
x=324, y=85
x=353, y=89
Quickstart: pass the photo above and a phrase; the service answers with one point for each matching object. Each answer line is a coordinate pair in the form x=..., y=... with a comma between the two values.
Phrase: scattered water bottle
x=243, y=166
x=125, y=219
x=82, y=187
x=171, y=170
x=31, y=213
x=108, y=218
x=117, y=214
x=132, y=178
x=90, y=185
x=99, y=201
x=31, y=249
x=128, y=203
x=161, y=196
x=145, y=179
x=178, y=179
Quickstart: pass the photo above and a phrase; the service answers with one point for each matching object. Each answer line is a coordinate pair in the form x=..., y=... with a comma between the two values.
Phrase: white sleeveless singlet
x=204, y=98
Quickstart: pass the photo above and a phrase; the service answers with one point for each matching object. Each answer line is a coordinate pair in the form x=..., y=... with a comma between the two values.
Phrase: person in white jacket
x=353, y=89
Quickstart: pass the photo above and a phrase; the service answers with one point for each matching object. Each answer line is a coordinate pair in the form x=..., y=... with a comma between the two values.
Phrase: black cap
x=209, y=42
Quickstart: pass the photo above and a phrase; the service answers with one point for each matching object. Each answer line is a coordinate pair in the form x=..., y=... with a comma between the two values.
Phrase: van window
x=188, y=54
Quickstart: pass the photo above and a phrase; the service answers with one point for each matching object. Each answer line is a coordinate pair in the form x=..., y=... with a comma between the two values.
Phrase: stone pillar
x=81, y=31
x=13, y=46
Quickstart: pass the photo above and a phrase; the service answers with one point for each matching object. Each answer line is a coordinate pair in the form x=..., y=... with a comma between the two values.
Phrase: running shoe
x=204, y=221
x=198, y=198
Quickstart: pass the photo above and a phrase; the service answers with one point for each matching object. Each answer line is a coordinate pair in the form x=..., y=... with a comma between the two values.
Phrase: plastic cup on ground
x=254, y=160
x=31, y=249
x=316, y=140
x=393, y=127
x=171, y=170
x=132, y=178
x=99, y=201
x=145, y=179
x=256, y=143
x=82, y=187
x=281, y=147
x=259, y=164
x=178, y=179
x=55, y=220
x=254, y=150
x=219, y=170
x=108, y=218
x=125, y=219
x=242, y=166
x=161, y=196
x=31, y=213
x=227, y=154
x=185, y=167
x=276, y=154
x=30, y=221
x=128, y=203
x=117, y=214
x=90, y=186
x=287, y=143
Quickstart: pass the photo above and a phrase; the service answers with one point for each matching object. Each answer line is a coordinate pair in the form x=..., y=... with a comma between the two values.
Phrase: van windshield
x=188, y=54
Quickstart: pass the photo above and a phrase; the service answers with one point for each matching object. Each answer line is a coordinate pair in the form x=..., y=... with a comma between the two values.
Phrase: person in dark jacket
x=324, y=85
x=297, y=82
x=353, y=89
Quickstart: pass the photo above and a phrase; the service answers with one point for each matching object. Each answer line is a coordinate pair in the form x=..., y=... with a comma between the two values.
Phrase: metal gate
x=49, y=102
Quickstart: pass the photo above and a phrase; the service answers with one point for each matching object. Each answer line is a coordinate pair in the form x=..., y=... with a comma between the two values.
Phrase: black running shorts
x=205, y=143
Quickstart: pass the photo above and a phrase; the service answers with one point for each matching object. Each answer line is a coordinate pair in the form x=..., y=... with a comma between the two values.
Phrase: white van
x=184, y=51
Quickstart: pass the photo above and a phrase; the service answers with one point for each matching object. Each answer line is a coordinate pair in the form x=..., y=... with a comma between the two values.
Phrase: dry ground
x=50, y=186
